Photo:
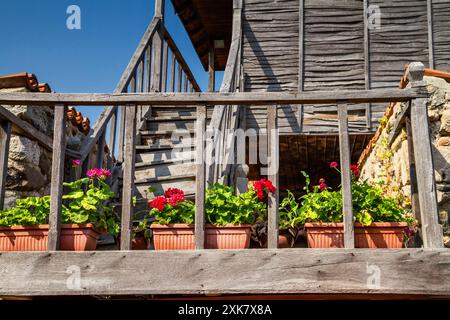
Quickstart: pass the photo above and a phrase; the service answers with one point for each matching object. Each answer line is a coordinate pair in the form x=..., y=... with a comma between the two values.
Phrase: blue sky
x=35, y=39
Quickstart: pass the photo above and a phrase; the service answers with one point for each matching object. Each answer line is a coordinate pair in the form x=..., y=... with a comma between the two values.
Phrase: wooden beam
x=399, y=123
x=300, y=271
x=56, y=188
x=430, y=33
x=431, y=230
x=100, y=150
x=172, y=72
x=273, y=175
x=5, y=137
x=237, y=98
x=157, y=53
x=128, y=178
x=200, y=180
x=211, y=70
x=26, y=129
x=346, y=178
x=159, y=8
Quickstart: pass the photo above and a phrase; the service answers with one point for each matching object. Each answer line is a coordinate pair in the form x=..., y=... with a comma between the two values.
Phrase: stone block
x=24, y=150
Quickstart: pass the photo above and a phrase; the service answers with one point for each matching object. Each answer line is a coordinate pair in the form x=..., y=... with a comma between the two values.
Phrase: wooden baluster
x=172, y=73
x=431, y=229
x=5, y=137
x=56, y=188
x=128, y=178
x=200, y=131
x=165, y=66
x=185, y=83
x=148, y=78
x=100, y=150
x=346, y=178
x=113, y=133
x=273, y=165
x=180, y=77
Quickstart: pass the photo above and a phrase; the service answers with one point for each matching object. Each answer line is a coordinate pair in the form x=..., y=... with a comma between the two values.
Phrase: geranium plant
x=321, y=203
x=86, y=202
x=222, y=206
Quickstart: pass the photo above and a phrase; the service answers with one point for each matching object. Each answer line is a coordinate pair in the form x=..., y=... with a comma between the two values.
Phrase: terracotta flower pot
x=377, y=235
x=138, y=243
x=181, y=236
x=74, y=237
x=284, y=241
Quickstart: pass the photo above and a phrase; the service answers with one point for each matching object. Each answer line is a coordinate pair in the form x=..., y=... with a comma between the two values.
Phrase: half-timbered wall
x=292, y=45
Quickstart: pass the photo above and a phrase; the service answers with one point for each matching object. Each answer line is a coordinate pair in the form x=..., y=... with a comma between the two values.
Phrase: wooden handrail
x=179, y=57
x=206, y=98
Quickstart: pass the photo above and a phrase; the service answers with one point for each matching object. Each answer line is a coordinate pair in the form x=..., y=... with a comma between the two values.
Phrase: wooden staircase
x=165, y=153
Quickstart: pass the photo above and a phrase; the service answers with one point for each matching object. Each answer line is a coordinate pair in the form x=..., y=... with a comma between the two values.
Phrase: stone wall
x=29, y=164
x=390, y=163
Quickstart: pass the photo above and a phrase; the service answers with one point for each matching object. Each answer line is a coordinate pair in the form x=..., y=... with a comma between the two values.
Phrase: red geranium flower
x=173, y=191
x=175, y=199
x=322, y=186
x=263, y=186
x=158, y=203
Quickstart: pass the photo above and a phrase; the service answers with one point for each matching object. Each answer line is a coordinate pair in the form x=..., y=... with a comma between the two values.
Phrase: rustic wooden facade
x=304, y=45
x=158, y=93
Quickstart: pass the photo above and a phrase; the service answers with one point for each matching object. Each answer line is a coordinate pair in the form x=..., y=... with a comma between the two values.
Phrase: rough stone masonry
x=390, y=164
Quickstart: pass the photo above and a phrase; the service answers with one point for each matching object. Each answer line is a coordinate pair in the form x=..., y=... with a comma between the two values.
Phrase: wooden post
x=346, y=178
x=100, y=150
x=211, y=70
x=157, y=48
x=273, y=166
x=431, y=230
x=5, y=137
x=200, y=131
x=368, y=108
x=430, y=33
x=128, y=178
x=56, y=188
x=122, y=133
x=113, y=133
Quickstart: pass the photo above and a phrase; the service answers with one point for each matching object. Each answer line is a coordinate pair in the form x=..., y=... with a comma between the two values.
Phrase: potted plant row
x=229, y=217
x=84, y=217
x=380, y=222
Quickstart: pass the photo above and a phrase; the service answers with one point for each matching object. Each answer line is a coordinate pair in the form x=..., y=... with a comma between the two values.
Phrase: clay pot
x=181, y=236
x=377, y=235
x=284, y=241
x=74, y=237
x=138, y=243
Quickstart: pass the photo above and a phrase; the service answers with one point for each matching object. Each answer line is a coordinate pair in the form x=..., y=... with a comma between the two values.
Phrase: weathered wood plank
x=56, y=187
x=273, y=174
x=398, y=124
x=5, y=137
x=431, y=230
x=128, y=178
x=346, y=178
x=200, y=179
x=241, y=98
x=430, y=34
x=113, y=134
x=299, y=271
x=211, y=71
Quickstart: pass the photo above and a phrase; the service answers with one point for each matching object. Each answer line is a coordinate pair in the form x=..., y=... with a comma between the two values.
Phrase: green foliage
x=183, y=213
x=223, y=207
x=79, y=206
x=89, y=206
x=369, y=205
x=27, y=212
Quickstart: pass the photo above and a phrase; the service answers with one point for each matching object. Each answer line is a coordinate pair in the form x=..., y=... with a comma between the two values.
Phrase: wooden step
x=162, y=111
x=165, y=137
x=168, y=154
x=171, y=125
x=183, y=182
x=164, y=170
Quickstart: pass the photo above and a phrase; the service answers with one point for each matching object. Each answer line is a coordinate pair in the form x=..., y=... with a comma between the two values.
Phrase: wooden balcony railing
x=416, y=94
x=262, y=271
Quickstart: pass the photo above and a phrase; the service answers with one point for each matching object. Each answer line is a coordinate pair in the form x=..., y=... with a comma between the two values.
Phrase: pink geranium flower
x=334, y=164
x=76, y=162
